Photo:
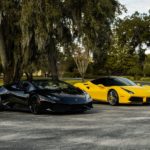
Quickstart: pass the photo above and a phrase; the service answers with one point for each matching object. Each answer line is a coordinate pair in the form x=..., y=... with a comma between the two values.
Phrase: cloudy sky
x=141, y=6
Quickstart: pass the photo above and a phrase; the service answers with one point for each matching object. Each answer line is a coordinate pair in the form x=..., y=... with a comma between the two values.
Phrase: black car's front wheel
x=113, y=98
x=34, y=105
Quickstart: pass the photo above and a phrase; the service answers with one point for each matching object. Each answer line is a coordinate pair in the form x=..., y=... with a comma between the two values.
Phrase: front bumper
x=60, y=107
x=135, y=99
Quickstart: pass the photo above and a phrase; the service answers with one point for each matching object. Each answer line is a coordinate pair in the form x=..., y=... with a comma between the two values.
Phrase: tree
x=59, y=23
x=147, y=66
x=29, y=28
x=134, y=31
x=10, y=37
x=82, y=59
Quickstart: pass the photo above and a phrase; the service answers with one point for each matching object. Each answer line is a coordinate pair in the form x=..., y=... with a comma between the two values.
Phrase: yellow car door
x=97, y=92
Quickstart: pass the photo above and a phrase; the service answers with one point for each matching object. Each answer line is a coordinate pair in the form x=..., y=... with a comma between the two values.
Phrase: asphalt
x=103, y=128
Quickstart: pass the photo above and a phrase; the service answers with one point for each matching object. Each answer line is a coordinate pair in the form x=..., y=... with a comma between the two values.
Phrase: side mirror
x=25, y=91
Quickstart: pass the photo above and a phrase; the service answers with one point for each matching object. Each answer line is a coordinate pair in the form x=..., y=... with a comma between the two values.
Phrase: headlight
x=53, y=98
x=3, y=90
x=88, y=97
x=130, y=92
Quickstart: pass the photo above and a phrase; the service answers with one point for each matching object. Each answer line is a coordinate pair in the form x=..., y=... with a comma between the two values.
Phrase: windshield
x=57, y=86
x=114, y=81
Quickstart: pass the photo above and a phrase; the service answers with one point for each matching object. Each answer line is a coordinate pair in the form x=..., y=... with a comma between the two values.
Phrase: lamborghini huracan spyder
x=40, y=95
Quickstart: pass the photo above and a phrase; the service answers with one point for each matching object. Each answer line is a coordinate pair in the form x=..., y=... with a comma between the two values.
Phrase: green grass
x=73, y=81
x=68, y=81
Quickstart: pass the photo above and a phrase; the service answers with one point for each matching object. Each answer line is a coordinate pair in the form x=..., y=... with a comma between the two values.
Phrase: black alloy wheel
x=34, y=105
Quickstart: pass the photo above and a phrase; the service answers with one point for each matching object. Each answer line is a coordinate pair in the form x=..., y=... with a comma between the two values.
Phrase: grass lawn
x=69, y=81
x=73, y=81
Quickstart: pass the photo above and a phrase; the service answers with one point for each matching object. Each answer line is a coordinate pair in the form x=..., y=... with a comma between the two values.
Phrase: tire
x=1, y=105
x=34, y=105
x=113, y=98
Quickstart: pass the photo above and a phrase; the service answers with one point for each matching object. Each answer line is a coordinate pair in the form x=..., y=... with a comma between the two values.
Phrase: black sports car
x=40, y=95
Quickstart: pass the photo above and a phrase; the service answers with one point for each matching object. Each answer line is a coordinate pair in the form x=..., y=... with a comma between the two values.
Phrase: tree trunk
x=17, y=71
x=3, y=55
x=29, y=76
x=7, y=79
x=83, y=78
x=52, y=59
x=11, y=72
x=7, y=68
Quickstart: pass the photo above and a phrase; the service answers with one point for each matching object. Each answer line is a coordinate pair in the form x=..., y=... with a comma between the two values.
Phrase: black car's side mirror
x=26, y=89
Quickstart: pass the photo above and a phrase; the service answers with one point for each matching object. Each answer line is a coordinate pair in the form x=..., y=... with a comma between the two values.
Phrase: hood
x=71, y=99
x=64, y=96
x=137, y=89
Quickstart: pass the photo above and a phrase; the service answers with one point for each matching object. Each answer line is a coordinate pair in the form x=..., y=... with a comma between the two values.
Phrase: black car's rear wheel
x=113, y=98
x=34, y=105
x=1, y=105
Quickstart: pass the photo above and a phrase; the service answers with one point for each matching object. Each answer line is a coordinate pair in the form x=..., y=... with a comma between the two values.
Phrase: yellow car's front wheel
x=113, y=98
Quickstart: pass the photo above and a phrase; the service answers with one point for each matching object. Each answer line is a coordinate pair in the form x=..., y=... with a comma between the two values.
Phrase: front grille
x=136, y=99
x=71, y=108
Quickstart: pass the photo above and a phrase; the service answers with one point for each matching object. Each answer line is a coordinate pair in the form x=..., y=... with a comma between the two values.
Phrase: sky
x=142, y=6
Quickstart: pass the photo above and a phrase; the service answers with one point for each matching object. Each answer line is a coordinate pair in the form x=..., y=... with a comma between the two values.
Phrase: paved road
x=105, y=127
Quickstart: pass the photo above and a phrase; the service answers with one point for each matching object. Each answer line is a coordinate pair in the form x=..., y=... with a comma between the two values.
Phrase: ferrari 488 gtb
x=115, y=90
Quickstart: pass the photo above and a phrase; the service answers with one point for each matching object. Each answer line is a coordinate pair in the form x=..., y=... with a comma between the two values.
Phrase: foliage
x=134, y=31
x=147, y=66
x=29, y=29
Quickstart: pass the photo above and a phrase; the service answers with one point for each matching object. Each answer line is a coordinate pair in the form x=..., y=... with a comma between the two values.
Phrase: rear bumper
x=57, y=107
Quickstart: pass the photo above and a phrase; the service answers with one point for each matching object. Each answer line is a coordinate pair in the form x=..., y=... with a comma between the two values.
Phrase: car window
x=27, y=86
x=100, y=81
x=16, y=86
x=56, y=86
x=112, y=81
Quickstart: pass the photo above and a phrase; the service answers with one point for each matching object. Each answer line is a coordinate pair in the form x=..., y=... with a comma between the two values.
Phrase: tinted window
x=114, y=82
x=15, y=86
x=27, y=86
x=56, y=86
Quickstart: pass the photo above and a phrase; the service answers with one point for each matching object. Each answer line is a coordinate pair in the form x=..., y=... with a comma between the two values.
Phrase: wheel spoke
x=35, y=107
x=113, y=97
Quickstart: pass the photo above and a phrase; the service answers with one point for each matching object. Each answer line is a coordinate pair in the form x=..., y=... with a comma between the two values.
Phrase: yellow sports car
x=115, y=90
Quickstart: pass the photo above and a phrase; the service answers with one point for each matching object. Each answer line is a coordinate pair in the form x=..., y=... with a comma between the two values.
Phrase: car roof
x=106, y=77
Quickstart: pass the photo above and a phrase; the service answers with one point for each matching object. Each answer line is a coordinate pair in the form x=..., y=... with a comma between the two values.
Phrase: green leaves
x=134, y=31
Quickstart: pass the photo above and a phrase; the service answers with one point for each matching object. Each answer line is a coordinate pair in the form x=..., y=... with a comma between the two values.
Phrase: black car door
x=18, y=94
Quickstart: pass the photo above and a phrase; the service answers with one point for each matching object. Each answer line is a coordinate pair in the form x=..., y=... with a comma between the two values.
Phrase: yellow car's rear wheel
x=113, y=98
